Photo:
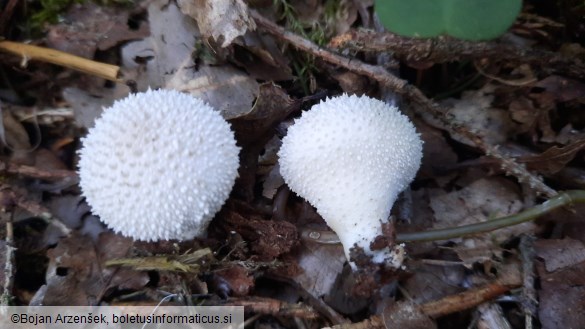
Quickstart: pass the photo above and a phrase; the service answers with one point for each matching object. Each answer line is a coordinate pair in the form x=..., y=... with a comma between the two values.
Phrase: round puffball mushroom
x=350, y=157
x=158, y=165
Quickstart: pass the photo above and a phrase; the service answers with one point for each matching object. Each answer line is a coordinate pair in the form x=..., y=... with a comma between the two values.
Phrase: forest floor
x=503, y=125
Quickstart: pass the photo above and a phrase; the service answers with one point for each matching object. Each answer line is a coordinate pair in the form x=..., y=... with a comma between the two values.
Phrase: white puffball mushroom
x=350, y=157
x=158, y=165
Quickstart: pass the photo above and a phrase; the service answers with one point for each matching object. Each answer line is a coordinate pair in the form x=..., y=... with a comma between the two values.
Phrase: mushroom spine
x=350, y=157
x=158, y=165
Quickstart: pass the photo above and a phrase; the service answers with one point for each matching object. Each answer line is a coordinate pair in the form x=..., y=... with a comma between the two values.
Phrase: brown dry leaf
x=481, y=200
x=432, y=282
x=77, y=276
x=221, y=19
x=225, y=88
x=523, y=111
x=272, y=181
x=562, y=296
x=351, y=291
x=438, y=155
x=559, y=254
x=321, y=264
x=237, y=278
x=70, y=209
x=352, y=83
x=265, y=61
x=569, y=135
x=532, y=113
x=88, y=27
x=553, y=159
x=545, y=103
x=165, y=59
x=88, y=105
x=12, y=133
x=272, y=106
x=491, y=315
x=563, y=89
x=406, y=315
x=475, y=111
x=253, y=128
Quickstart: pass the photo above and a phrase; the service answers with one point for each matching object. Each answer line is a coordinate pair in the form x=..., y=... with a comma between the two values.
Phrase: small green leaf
x=413, y=18
x=480, y=19
x=463, y=19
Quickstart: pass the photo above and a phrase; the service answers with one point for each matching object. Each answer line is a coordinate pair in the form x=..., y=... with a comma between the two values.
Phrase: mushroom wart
x=350, y=157
x=158, y=165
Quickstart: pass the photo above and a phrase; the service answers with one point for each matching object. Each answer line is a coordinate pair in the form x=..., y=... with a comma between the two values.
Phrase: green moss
x=45, y=12
x=48, y=12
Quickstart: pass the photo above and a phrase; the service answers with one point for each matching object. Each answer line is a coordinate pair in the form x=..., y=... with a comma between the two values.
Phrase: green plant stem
x=562, y=199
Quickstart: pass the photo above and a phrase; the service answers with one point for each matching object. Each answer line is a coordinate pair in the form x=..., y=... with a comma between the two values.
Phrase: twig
x=34, y=172
x=529, y=300
x=448, y=305
x=30, y=52
x=13, y=198
x=563, y=199
x=401, y=86
x=447, y=49
x=9, y=270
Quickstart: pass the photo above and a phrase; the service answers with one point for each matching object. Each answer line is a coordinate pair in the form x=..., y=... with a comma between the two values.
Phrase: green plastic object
x=464, y=19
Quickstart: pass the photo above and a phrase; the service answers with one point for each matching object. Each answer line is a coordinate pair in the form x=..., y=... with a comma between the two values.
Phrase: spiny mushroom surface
x=350, y=157
x=158, y=165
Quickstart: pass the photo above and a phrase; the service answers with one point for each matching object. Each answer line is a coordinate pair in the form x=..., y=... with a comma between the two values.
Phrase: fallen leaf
x=562, y=293
x=482, y=200
x=406, y=315
x=76, y=274
x=475, y=111
x=88, y=106
x=321, y=264
x=12, y=133
x=491, y=315
x=352, y=83
x=432, y=282
x=272, y=182
x=88, y=27
x=562, y=88
x=253, y=127
x=221, y=19
x=435, y=147
x=265, y=61
x=553, y=159
x=272, y=106
x=165, y=59
x=559, y=254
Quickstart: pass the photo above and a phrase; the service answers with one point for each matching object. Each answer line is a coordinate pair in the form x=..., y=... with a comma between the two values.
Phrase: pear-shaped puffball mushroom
x=350, y=157
x=158, y=165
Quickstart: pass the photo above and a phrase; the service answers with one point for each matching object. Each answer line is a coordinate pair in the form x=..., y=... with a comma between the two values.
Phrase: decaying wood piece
x=447, y=49
x=34, y=172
